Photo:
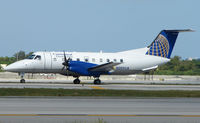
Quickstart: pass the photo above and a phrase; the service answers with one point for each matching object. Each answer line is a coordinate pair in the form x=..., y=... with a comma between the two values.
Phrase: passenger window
x=115, y=60
x=108, y=60
x=93, y=59
x=38, y=57
x=101, y=60
x=77, y=59
x=121, y=60
x=86, y=59
x=54, y=59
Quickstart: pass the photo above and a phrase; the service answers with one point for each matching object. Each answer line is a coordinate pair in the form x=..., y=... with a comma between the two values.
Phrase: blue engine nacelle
x=82, y=68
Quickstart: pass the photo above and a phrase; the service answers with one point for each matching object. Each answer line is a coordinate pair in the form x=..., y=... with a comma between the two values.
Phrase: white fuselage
x=132, y=61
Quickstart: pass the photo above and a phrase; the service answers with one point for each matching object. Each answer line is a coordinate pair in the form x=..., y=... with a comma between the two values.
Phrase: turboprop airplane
x=78, y=64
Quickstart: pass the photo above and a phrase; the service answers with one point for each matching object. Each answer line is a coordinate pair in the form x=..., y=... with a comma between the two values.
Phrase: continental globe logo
x=160, y=47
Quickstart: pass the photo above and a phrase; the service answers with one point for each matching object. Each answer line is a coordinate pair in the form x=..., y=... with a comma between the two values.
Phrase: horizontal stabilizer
x=180, y=30
x=150, y=68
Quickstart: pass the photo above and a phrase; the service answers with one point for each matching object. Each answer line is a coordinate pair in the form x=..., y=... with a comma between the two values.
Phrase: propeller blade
x=65, y=57
x=63, y=68
x=66, y=63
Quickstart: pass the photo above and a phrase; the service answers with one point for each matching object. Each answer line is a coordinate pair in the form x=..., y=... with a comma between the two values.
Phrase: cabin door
x=47, y=61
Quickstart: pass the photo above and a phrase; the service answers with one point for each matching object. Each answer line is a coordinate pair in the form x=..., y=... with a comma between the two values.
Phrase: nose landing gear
x=22, y=81
x=22, y=77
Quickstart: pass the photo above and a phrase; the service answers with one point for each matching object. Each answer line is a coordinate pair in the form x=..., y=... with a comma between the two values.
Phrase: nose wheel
x=22, y=81
x=22, y=77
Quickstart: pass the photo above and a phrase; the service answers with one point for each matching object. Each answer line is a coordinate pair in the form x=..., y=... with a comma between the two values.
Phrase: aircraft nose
x=14, y=67
x=10, y=67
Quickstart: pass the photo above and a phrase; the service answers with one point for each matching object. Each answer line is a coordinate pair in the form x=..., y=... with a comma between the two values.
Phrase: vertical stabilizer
x=164, y=43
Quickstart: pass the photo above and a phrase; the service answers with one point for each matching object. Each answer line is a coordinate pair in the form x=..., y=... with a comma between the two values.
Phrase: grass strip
x=94, y=92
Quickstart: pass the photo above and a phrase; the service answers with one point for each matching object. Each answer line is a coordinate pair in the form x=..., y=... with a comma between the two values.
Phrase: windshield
x=38, y=57
x=31, y=57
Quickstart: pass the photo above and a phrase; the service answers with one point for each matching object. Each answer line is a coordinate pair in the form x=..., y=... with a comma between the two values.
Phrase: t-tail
x=164, y=43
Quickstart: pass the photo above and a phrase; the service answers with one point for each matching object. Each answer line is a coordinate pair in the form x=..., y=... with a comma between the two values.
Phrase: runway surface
x=103, y=86
x=91, y=109
x=64, y=81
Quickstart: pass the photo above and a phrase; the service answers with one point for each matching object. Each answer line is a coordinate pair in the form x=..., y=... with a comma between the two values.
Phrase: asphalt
x=114, y=81
x=95, y=110
x=101, y=109
x=103, y=86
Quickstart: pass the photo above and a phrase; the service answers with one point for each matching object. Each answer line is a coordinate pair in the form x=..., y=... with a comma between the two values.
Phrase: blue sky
x=94, y=25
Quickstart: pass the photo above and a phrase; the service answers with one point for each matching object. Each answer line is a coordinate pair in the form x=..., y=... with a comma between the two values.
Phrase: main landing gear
x=77, y=81
x=97, y=81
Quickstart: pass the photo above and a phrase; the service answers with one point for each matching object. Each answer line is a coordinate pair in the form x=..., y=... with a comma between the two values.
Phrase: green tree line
x=177, y=66
x=16, y=57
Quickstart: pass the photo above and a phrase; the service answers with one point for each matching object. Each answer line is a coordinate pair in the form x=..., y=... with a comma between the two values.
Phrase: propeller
x=66, y=63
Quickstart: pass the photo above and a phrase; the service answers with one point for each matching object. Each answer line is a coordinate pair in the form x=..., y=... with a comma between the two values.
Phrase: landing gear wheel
x=22, y=81
x=97, y=81
x=21, y=74
x=77, y=81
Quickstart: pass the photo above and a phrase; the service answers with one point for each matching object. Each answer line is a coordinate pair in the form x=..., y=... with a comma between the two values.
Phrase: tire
x=97, y=81
x=77, y=81
x=22, y=81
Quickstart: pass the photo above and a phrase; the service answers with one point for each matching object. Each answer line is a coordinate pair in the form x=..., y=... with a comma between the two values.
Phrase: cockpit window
x=31, y=57
x=38, y=57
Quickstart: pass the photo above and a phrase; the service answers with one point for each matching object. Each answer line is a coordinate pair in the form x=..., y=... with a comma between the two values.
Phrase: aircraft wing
x=104, y=67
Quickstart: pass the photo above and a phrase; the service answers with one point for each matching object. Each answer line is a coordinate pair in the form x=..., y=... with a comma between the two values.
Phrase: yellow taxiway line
x=96, y=87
